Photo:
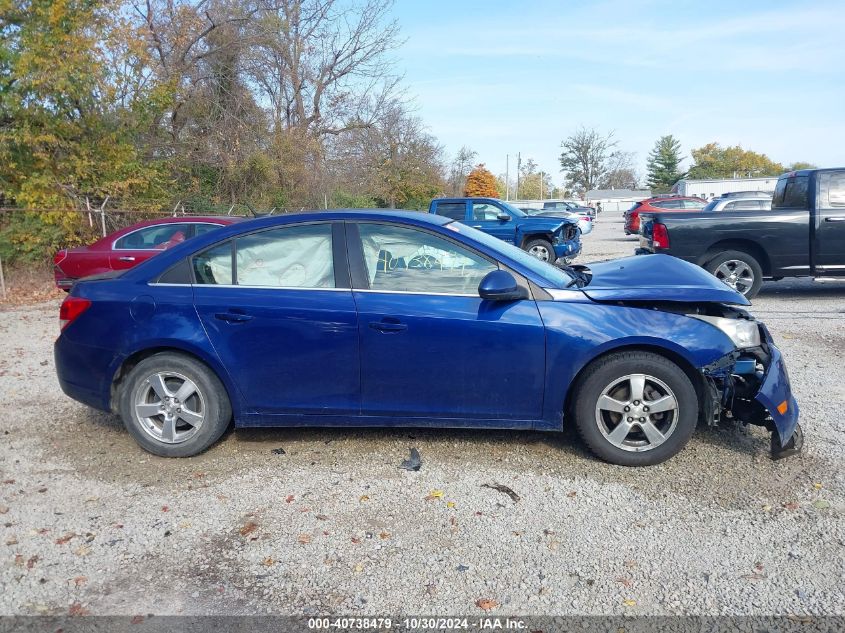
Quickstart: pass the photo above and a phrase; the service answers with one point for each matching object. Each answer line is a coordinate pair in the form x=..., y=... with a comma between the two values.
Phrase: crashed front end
x=750, y=384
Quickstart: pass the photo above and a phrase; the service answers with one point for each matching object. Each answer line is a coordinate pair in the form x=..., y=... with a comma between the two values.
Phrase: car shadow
x=803, y=288
x=256, y=439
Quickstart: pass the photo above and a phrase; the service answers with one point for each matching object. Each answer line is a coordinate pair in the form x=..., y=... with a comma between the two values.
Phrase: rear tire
x=174, y=405
x=739, y=270
x=541, y=249
x=639, y=435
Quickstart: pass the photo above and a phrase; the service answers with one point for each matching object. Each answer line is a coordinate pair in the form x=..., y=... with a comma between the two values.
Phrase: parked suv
x=657, y=204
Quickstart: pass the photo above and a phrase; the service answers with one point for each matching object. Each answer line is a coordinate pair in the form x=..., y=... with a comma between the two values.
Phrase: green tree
x=62, y=136
x=715, y=161
x=664, y=164
x=800, y=164
x=481, y=183
x=533, y=184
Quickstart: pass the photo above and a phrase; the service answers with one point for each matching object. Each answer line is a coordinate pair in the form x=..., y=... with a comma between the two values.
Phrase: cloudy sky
x=519, y=76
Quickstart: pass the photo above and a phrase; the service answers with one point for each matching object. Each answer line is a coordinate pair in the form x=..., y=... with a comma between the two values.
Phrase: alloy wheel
x=737, y=274
x=540, y=252
x=637, y=412
x=170, y=407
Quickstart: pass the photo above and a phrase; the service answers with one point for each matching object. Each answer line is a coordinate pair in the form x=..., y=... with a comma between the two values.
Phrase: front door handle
x=388, y=325
x=476, y=226
x=126, y=258
x=835, y=219
x=232, y=317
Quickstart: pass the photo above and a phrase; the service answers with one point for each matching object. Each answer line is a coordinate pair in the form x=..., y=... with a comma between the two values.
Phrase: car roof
x=664, y=198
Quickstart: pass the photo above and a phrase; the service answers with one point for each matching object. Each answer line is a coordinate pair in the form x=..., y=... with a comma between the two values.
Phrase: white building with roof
x=713, y=188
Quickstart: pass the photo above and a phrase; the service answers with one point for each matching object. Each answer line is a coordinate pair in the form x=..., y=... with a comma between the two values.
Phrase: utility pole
x=507, y=177
x=541, y=186
x=518, y=167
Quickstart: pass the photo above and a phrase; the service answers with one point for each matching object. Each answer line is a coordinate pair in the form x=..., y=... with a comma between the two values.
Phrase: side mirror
x=500, y=285
x=503, y=217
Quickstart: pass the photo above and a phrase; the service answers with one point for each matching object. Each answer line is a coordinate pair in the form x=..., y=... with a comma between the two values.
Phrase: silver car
x=736, y=203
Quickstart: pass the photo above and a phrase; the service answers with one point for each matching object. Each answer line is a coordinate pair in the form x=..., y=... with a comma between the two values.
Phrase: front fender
x=577, y=333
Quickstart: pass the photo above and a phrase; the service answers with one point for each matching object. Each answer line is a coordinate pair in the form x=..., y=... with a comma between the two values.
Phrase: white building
x=616, y=199
x=712, y=188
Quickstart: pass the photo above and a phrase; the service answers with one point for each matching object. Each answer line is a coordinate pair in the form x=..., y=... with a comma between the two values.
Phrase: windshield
x=514, y=211
x=556, y=276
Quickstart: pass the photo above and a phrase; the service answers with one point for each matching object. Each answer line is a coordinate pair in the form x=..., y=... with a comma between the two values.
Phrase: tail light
x=659, y=235
x=70, y=310
x=59, y=257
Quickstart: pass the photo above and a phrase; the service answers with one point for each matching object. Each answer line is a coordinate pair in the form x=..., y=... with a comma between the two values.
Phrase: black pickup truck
x=802, y=236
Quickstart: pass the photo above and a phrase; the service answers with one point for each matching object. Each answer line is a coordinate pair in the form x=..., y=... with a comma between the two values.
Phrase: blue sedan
x=369, y=318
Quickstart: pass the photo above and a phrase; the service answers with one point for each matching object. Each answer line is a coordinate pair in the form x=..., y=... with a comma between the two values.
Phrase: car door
x=485, y=217
x=133, y=248
x=431, y=348
x=829, y=242
x=277, y=306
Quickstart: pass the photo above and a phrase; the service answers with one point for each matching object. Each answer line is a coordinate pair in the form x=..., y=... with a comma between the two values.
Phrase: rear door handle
x=388, y=325
x=835, y=219
x=126, y=258
x=232, y=317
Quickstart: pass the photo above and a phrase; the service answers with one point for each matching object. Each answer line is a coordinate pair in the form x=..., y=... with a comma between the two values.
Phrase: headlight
x=742, y=332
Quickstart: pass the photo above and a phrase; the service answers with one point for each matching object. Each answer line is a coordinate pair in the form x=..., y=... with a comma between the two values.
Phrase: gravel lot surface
x=89, y=523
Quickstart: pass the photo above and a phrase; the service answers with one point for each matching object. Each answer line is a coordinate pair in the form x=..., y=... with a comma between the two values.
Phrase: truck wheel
x=635, y=408
x=738, y=270
x=541, y=249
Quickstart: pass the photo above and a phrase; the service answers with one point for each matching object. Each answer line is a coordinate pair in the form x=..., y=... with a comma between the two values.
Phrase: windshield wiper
x=581, y=275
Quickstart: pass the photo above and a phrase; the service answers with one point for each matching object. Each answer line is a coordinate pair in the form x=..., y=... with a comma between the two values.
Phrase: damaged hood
x=657, y=278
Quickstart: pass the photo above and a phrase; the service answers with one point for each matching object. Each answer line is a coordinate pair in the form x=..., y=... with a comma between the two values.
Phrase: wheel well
x=688, y=368
x=536, y=236
x=137, y=357
x=744, y=246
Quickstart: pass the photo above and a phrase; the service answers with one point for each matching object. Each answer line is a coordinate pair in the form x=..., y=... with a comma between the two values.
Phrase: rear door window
x=668, y=204
x=454, y=210
x=287, y=257
x=157, y=237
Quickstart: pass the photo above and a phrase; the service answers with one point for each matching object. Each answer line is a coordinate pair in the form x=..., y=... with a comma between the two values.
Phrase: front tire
x=541, y=249
x=173, y=405
x=635, y=408
x=739, y=270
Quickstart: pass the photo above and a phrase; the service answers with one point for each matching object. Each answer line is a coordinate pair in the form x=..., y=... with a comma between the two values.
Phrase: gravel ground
x=91, y=524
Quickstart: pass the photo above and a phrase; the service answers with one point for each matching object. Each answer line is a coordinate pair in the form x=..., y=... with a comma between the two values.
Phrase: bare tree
x=395, y=159
x=459, y=170
x=323, y=65
x=621, y=173
x=585, y=158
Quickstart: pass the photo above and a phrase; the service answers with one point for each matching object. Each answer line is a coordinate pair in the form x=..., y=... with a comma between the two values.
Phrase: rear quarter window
x=454, y=210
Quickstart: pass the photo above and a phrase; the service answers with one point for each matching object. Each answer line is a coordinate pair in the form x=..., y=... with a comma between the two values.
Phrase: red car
x=658, y=203
x=130, y=246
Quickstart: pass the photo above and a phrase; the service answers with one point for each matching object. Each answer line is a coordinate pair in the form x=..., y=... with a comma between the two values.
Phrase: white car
x=585, y=221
